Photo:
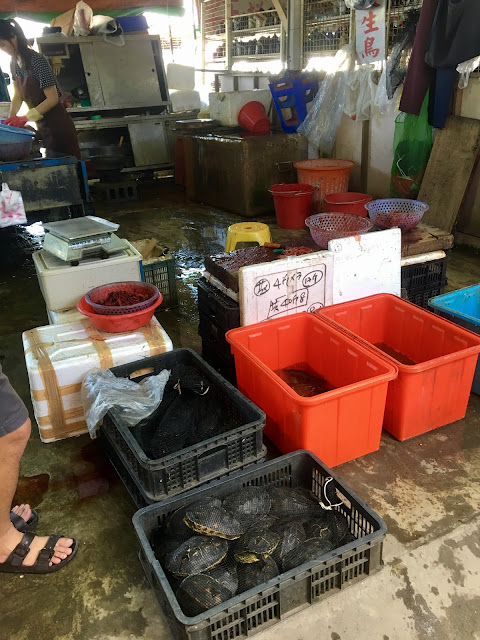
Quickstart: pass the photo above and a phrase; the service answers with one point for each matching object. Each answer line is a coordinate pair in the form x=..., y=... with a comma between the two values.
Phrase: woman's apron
x=56, y=128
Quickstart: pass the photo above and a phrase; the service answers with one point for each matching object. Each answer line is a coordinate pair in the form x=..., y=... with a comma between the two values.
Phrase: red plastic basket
x=95, y=297
x=434, y=390
x=329, y=226
x=338, y=425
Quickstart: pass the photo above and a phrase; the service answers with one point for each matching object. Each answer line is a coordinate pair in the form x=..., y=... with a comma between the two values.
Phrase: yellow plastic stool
x=247, y=232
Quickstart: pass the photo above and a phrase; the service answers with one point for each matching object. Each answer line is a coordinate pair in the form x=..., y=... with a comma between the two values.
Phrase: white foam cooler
x=64, y=317
x=62, y=285
x=58, y=357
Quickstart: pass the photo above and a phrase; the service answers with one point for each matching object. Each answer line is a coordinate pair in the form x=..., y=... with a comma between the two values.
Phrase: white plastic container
x=62, y=285
x=64, y=317
x=180, y=77
x=225, y=106
x=58, y=357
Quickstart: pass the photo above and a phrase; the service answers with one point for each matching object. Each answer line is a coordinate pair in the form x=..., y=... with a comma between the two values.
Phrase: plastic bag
x=82, y=19
x=130, y=401
x=360, y=93
x=359, y=5
x=322, y=122
x=12, y=210
x=396, y=65
x=465, y=69
x=413, y=141
x=381, y=102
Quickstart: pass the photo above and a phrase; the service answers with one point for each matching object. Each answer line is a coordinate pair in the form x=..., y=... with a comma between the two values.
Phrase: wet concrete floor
x=426, y=489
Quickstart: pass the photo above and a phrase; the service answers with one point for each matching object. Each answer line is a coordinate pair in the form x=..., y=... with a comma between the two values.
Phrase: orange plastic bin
x=338, y=425
x=328, y=175
x=436, y=359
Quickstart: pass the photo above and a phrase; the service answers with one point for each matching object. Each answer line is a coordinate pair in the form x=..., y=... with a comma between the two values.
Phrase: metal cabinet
x=121, y=77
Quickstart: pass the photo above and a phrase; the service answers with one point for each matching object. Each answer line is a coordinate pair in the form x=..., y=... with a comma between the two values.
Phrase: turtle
x=175, y=525
x=311, y=549
x=348, y=538
x=290, y=503
x=256, y=545
x=213, y=521
x=319, y=528
x=254, y=574
x=338, y=525
x=291, y=535
x=196, y=555
x=249, y=504
x=200, y=592
x=226, y=575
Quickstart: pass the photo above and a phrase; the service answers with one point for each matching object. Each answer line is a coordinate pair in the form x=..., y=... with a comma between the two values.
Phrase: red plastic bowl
x=119, y=324
x=350, y=202
x=95, y=296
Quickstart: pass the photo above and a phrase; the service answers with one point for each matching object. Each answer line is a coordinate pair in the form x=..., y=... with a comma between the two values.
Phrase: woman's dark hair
x=8, y=30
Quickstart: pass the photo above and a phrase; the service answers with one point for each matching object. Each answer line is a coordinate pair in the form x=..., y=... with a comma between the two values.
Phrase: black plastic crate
x=130, y=483
x=217, y=307
x=225, y=365
x=210, y=459
x=162, y=275
x=265, y=605
x=215, y=335
x=425, y=275
x=421, y=296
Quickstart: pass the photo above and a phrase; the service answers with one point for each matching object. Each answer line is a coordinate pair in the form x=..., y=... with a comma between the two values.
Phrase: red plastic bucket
x=253, y=117
x=349, y=202
x=293, y=203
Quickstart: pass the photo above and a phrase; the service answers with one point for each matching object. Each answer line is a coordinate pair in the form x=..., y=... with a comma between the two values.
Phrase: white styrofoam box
x=284, y=287
x=421, y=258
x=185, y=100
x=64, y=317
x=62, y=285
x=219, y=285
x=244, y=82
x=180, y=77
x=366, y=265
x=225, y=106
x=58, y=357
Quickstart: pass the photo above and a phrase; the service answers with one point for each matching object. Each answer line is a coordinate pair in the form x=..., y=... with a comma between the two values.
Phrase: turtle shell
x=200, y=592
x=291, y=535
x=226, y=576
x=213, y=521
x=250, y=503
x=319, y=528
x=196, y=555
x=291, y=503
x=256, y=574
x=348, y=538
x=311, y=549
x=256, y=545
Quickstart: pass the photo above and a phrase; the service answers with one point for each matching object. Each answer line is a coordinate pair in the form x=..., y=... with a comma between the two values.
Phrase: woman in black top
x=36, y=85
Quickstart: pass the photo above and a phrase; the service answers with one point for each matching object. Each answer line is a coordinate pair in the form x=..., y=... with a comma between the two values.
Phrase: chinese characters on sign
x=370, y=33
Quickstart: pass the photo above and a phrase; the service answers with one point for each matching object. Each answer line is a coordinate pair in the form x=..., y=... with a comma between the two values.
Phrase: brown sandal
x=13, y=564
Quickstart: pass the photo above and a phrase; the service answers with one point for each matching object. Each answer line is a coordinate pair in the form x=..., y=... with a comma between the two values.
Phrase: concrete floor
x=426, y=489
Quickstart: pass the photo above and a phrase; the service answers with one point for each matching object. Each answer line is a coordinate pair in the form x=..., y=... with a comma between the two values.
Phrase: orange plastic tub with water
x=338, y=425
x=436, y=360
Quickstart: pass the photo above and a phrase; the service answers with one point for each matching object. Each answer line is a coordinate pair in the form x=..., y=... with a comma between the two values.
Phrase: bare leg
x=12, y=446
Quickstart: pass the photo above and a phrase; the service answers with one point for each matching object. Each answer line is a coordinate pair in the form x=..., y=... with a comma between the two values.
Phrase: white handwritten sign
x=366, y=265
x=370, y=33
x=287, y=286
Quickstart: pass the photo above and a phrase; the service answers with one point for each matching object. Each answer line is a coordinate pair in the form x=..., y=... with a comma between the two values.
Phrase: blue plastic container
x=293, y=91
x=131, y=24
x=463, y=308
x=11, y=135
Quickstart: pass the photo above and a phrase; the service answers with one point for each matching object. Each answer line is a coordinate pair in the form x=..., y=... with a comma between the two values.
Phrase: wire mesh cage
x=326, y=27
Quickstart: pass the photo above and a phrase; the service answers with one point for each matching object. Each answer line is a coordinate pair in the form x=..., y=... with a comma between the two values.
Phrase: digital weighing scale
x=79, y=238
